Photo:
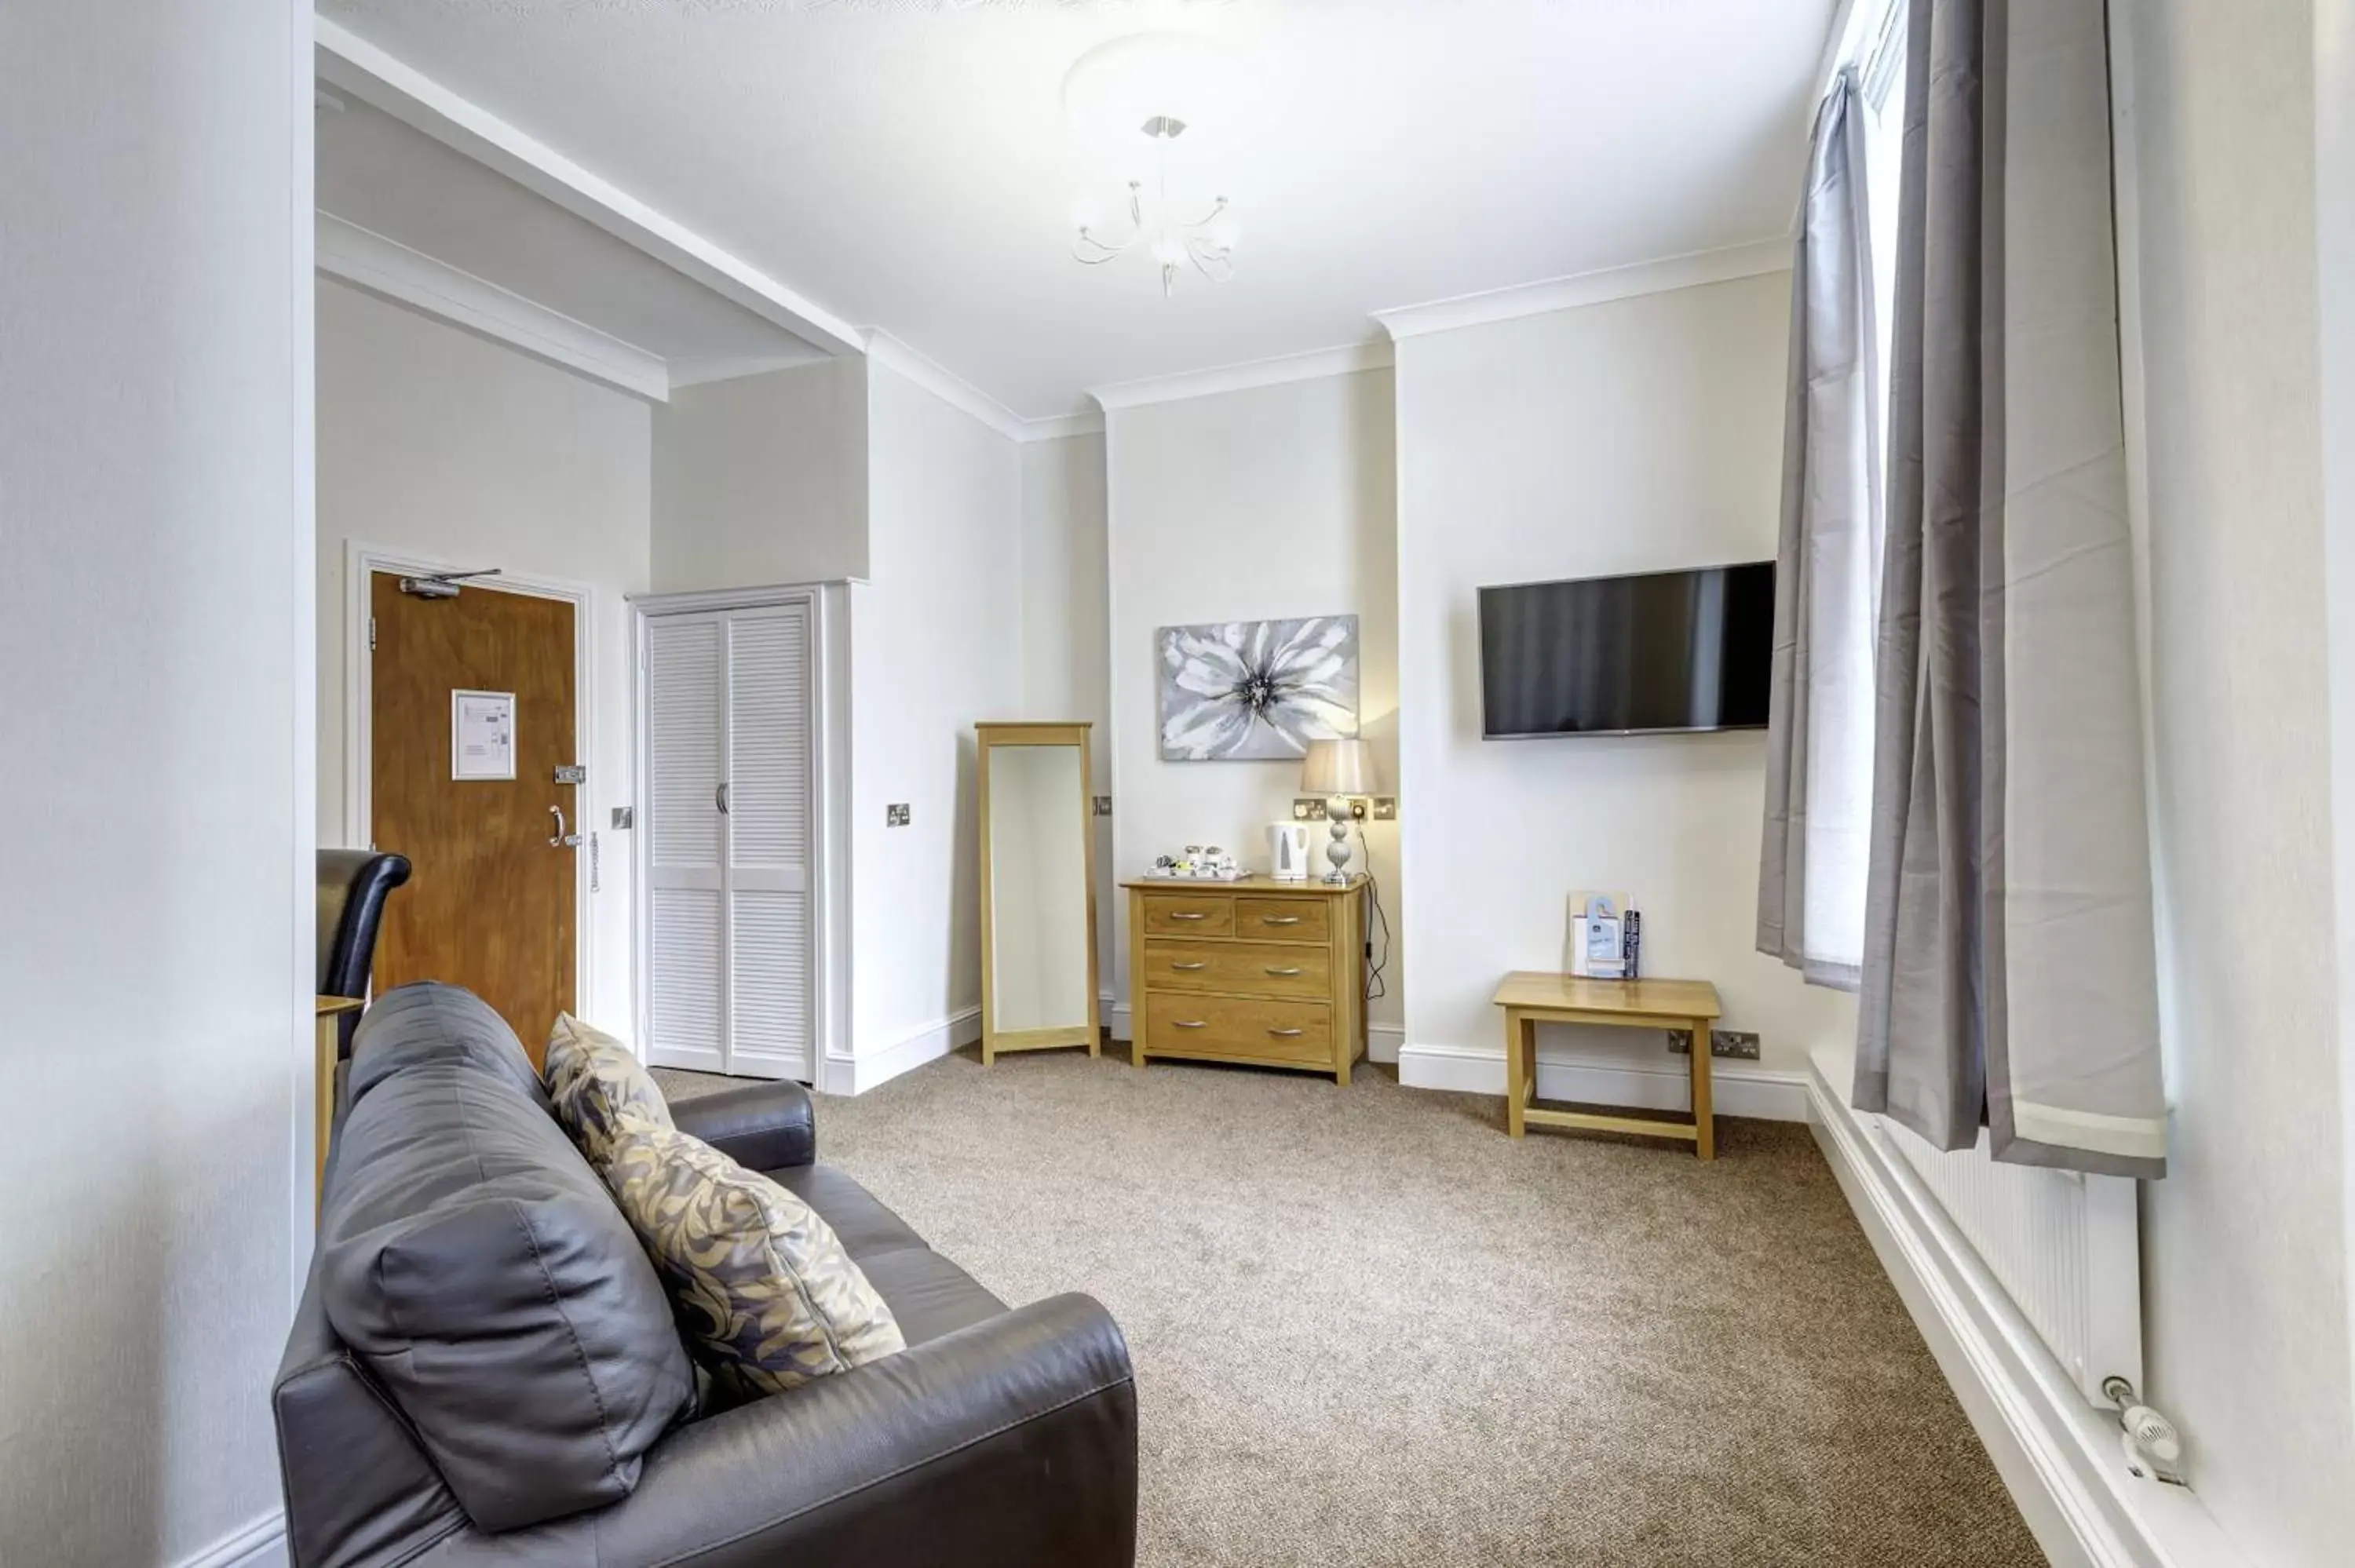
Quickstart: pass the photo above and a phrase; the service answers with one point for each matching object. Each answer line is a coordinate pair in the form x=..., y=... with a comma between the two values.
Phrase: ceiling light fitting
x=1153, y=85
x=1207, y=241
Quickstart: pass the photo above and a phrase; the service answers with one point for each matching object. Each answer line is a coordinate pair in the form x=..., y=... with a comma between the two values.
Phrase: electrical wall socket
x=1386, y=808
x=1735, y=1045
x=1102, y=804
x=896, y=815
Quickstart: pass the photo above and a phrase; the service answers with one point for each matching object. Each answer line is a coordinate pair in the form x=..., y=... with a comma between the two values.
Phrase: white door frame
x=829, y=791
x=360, y=562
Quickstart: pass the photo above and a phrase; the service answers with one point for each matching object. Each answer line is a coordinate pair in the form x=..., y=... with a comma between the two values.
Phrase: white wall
x=2246, y=1263
x=1640, y=435
x=1065, y=655
x=2334, y=97
x=762, y=480
x=979, y=594
x=1269, y=503
x=936, y=647
x=436, y=442
x=156, y=931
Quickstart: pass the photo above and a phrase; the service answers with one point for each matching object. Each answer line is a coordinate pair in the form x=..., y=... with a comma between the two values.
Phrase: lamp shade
x=1338, y=767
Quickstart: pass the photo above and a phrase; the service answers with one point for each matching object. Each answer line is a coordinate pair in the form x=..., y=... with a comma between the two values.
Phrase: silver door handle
x=1279, y=919
x=1292, y=970
x=1285, y=1033
x=560, y=839
x=1174, y=965
x=720, y=798
x=1188, y=1023
x=1187, y=915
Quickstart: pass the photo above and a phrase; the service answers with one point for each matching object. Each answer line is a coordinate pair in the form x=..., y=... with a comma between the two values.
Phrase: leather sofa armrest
x=1008, y=1443
x=761, y=1126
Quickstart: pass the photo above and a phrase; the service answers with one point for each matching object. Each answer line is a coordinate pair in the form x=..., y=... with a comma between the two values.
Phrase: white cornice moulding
x=1589, y=288
x=354, y=65
x=958, y=393
x=1056, y=429
x=947, y=385
x=1317, y=363
x=703, y=369
x=368, y=261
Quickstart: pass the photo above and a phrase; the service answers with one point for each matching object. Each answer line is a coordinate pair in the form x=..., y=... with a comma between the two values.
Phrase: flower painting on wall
x=1257, y=689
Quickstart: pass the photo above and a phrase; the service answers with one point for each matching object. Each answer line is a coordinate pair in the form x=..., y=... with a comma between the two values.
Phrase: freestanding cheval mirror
x=1037, y=890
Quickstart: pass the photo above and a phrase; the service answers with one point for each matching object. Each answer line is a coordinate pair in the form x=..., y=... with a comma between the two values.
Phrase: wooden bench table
x=1531, y=997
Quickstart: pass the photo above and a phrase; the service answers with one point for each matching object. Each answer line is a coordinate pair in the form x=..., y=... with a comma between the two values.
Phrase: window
x=1844, y=546
x=1882, y=78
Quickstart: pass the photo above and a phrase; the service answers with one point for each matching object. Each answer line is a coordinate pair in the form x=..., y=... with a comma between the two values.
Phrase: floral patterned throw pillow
x=596, y=1085
x=759, y=1281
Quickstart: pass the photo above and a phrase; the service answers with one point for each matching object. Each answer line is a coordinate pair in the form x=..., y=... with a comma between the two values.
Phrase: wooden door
x=491, y=900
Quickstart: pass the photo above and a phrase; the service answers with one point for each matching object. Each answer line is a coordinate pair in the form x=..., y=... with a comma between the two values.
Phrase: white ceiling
x=905, y=165
x=379, y=175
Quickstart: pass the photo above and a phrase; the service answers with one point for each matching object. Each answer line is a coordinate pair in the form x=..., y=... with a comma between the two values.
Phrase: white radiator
x=2064, y=1247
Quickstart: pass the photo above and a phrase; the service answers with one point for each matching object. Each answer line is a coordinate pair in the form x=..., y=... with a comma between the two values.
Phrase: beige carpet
x=1368, y=1328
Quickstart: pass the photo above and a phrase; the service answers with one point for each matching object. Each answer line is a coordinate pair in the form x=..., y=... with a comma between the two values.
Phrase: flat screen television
x=1659, y=651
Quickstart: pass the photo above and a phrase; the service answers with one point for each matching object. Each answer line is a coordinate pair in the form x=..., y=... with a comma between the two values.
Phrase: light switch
x=896, y=814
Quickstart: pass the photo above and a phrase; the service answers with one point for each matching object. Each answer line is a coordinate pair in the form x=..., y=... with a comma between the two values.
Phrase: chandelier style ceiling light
x=1136, y=97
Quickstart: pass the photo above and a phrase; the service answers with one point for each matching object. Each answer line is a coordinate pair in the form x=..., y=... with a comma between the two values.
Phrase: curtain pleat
x=2009, y=977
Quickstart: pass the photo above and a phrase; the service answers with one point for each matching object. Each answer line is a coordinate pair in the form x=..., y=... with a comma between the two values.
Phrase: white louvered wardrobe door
x=770, y=788
x=687, y=926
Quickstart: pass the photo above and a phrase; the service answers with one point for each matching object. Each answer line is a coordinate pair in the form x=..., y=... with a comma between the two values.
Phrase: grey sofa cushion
x=866, y=1228
x=477, y=1265
x=429, y=1022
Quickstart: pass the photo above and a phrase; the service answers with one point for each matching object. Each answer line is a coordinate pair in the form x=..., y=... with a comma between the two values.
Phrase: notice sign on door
x=482, y=735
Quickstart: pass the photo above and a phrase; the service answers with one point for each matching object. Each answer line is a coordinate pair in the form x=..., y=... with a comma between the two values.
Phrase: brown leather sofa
x=484, y=1369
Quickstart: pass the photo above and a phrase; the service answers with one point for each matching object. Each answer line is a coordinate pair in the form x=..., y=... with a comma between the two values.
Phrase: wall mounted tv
x=1661, y=652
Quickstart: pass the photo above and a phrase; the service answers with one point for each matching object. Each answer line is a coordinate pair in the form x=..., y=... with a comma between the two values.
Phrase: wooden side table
x=326, y=1014
x=1531, y=997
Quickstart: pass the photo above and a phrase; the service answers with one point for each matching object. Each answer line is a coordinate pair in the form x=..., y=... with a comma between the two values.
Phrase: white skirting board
x=856, y=1075
x=261, y=1545
x=2059, y=1455
x=1736, y=1089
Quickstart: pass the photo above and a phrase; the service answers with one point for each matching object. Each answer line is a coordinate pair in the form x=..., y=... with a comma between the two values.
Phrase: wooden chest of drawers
x=1261, y=971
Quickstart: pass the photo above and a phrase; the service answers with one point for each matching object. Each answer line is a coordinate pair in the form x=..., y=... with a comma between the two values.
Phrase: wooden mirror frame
x=1067, y=735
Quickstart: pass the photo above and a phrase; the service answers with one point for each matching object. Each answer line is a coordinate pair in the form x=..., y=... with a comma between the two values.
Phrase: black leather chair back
x=353, y=886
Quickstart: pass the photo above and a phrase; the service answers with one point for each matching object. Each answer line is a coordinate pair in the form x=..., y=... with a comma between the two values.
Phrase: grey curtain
x=2008, y=974
x=1811, y=862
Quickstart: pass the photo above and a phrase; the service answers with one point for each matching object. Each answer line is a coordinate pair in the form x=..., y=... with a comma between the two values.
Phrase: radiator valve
x=2154, y=1449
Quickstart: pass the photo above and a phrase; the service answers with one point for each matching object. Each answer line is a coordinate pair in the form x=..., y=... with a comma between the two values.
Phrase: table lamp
x=1338, y=770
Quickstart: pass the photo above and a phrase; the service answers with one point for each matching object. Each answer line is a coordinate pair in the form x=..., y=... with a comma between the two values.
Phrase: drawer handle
x=1174, y=965
x=1279, y=919
x=1187, y=915
x=1188, y=1023
x=1275, y=970
x=1286, y=1033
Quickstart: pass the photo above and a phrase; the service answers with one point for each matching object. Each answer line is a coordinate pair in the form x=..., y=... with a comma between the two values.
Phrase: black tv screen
x=1662, y=650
